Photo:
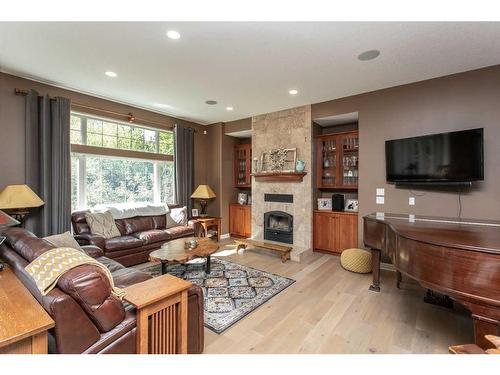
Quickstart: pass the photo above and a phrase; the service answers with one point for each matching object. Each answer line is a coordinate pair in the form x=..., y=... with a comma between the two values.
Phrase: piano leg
x=375, y=287
x=399, y=278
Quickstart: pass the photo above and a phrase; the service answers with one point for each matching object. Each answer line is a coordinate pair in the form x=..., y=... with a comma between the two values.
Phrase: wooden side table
x=161, y=305
x=23, y=322
x=209, y=222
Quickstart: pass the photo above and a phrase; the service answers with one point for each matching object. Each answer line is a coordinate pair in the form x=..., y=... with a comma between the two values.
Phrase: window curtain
x=48, y=162
x=184, y=166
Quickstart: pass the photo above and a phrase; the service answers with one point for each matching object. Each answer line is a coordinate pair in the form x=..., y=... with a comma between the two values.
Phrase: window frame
x=81, y=150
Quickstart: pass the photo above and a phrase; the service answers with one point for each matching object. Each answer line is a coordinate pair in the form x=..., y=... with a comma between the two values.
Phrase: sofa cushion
x=177, y=216
x=152, y=236
x=136, y=224
x=111, y=265
x=159, y=222
x=180, y=231
x=64, y=240
x=122, y=243
x=129, y=276
x=102, y=223
x=26, y=244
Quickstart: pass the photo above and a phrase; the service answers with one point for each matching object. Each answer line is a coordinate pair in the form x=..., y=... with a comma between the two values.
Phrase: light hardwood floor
x=330, y=310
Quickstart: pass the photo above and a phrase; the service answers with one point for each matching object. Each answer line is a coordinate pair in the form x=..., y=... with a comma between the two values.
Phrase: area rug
x=231, y=291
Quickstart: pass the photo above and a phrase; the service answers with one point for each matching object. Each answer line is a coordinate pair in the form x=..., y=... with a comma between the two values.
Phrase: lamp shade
x=203, y=192
x=19, y=196
x=7, y=221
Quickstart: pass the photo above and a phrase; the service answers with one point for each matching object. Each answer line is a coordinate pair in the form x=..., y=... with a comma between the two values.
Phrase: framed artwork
x=325, y=204
x=194, y=212
x=352, y=205
x=278, y=160
x=242, y=198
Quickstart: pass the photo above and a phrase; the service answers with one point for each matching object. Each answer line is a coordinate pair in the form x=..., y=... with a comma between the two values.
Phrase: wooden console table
x=161, y=305
x=23, y=322
x=209, y=222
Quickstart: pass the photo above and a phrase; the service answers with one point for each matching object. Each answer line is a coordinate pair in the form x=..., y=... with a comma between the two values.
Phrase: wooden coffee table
x=174, y=252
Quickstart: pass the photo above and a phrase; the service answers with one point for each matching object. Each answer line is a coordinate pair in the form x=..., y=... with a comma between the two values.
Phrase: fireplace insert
x=278, y=226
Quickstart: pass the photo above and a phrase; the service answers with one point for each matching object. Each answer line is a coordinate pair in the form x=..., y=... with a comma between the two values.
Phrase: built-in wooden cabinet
x=335, y=231
x=240, y=220
x=337, y=161
x=242, y=165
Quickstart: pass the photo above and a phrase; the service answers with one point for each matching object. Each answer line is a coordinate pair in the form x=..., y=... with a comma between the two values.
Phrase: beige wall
x=456, y=102
x=291, y=128
x=12, y=126
x=238, y=125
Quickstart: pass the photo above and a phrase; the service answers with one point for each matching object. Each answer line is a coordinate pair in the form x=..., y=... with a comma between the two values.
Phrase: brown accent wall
x=455, y=102
x=238, y=125
x=12, y=125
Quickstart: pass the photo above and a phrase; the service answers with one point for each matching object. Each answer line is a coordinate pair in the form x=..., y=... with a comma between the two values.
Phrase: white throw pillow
x=64, y=240
x=176, y=217
x=103, y=224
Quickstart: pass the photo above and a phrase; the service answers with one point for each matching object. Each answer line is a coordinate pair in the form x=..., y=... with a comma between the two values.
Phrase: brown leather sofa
x=88, y=318
x=139, y=236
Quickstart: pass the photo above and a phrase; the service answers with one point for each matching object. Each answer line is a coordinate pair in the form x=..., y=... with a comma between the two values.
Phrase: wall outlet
x=411, y=201
x=411, y=218
x=380, y=200
x=380, y=192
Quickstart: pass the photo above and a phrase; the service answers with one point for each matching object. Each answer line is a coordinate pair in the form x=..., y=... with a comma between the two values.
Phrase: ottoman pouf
x=356, y=260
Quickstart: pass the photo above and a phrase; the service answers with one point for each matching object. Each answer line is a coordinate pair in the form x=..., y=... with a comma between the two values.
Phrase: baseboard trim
x=225, y=236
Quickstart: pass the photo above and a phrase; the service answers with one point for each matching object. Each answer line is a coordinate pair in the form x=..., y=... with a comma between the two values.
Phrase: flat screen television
x=445, y=158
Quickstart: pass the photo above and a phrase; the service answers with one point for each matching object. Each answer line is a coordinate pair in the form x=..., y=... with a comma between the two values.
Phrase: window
x=114, y=162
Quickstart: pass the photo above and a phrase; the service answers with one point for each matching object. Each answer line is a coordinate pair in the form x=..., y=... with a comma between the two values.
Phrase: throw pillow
x=176, y=217
x=102, y=223
x=63, y=240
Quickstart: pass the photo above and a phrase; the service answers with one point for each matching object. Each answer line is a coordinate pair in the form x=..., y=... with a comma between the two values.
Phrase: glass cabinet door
x=350, y=160
x=242, y=166
x=328, y=157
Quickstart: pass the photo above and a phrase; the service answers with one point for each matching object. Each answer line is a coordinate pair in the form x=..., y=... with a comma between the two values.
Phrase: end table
x=209, y=222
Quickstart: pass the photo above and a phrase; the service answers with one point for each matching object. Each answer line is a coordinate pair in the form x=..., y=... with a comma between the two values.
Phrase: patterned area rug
x=231, y=291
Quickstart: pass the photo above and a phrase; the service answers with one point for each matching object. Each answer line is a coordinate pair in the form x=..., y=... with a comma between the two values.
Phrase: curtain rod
x=129, y=116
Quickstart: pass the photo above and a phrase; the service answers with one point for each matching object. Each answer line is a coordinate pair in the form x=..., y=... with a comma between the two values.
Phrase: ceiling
x=248, y=66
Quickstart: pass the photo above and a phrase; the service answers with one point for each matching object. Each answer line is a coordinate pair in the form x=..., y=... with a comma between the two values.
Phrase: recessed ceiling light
x=172, y=34
x=162, y=105
x=229, y=108
x=111, y=74
x=211, y=102
x=293, y=92
x=369, y=55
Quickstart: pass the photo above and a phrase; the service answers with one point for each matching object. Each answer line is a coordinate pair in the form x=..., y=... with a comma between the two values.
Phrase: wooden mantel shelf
x=280, y=176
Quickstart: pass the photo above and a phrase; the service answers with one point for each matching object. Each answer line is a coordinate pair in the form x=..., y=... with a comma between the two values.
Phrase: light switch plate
x=411, y=201
x=380, y=200
x=380, y=191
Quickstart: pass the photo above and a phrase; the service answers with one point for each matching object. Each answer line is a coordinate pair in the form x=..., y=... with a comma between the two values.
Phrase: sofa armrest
x=90, y=239
x=93, y=251
x=198, y=228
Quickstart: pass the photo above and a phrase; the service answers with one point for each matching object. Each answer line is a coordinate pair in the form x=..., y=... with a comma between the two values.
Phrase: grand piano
x=459, y=258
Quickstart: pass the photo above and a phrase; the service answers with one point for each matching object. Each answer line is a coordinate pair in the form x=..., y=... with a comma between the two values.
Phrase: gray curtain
x=184, y=166
x=48, y=162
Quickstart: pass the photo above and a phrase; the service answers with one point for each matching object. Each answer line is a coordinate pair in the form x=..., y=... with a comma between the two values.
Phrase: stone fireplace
x=276, y=205
x=278, y=226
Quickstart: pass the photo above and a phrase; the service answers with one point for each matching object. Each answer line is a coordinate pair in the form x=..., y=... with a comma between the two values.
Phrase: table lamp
x=5, y=221
x=17, y=200
x=203, y=193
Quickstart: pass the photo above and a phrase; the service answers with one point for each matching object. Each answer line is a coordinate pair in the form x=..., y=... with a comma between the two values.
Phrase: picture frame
x=194, y=212
x=278, y=160
x=325, y=204
x=351, y=205
x=242, y=198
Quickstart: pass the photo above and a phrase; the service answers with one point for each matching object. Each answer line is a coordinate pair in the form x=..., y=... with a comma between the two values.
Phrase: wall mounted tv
x=437, y=159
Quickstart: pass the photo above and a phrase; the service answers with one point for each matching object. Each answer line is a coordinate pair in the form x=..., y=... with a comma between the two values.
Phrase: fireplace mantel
x=280, y=176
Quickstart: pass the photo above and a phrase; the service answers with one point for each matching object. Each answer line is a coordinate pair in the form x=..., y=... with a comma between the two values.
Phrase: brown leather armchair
x=89, y=319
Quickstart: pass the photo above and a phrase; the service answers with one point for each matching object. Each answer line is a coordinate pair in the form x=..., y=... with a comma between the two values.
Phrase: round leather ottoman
x=356, y=260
